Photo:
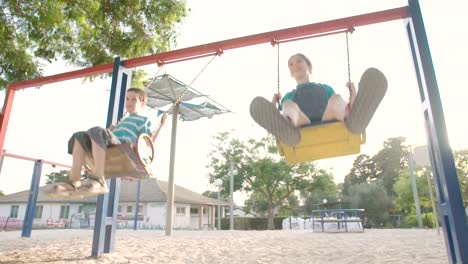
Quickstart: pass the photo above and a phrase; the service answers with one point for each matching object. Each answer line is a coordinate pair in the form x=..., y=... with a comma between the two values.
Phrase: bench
x=340, y=216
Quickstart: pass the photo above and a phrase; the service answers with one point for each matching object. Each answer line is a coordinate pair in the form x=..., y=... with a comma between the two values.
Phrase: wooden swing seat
x=321, y=141
x=127, y=160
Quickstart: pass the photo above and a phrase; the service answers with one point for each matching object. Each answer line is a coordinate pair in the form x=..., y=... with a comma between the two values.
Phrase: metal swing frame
x=448, y=189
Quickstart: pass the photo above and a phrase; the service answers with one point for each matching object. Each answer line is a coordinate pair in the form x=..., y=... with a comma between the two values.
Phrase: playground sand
x=288, y=246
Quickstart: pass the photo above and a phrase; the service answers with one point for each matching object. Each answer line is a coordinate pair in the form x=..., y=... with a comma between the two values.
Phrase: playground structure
x=448, y=190
x=26, y=227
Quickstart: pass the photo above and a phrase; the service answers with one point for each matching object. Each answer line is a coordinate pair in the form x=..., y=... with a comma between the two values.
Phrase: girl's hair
x=307, y=60
x=141, y=93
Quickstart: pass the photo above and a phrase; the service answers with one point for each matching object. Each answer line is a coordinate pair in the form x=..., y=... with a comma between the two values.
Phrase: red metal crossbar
x=35, y=159
x=196, y=51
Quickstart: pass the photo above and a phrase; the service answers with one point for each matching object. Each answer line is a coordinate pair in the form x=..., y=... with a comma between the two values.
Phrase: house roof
x=152, y=190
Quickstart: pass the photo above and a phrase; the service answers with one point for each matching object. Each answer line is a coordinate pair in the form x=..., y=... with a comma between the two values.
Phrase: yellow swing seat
x=322, y=141
x=127, y=160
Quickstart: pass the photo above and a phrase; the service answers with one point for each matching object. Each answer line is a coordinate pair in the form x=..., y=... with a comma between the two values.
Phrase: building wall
x=152, y=215
x=50, y=212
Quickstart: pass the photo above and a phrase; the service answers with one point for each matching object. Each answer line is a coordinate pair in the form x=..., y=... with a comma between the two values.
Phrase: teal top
x=290, y=95
x=131, y=127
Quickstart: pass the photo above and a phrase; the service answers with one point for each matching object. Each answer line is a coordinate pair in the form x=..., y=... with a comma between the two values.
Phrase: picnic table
x=340, y=216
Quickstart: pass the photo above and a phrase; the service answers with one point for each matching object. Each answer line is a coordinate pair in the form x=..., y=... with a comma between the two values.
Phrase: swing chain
x=218, y=53
x=351, y=29
x=155, y=75
x=278, y=65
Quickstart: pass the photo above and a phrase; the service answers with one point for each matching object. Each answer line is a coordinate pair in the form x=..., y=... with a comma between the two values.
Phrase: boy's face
x=133, y=103
x=298, y=67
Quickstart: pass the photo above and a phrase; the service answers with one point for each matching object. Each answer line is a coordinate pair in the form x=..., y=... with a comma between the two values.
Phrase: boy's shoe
x=371, y=91
x=93, y=186
x=66, y=190
x=267, y=116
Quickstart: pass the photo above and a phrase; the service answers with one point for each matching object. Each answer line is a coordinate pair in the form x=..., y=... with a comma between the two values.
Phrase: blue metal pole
x=106, y=206
x=137, y=205
x=32, y=199
x=443, y=165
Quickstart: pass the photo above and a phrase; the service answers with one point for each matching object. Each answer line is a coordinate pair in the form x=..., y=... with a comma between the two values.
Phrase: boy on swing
x=97, y=139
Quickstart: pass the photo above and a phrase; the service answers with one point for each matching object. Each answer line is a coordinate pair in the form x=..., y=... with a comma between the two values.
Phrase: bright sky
x=43, y=119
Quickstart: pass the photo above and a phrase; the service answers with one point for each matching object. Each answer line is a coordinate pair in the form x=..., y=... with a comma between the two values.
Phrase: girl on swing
x=314, y=102
x=97, y=139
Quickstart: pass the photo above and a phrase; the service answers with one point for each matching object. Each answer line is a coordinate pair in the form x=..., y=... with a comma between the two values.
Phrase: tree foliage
x=258, y=171
x=404, y=200
x=385, y=166
x=389, y=161
x=210, y=194
x=322, y=187
x=373, y=198
x=82, y=32
x=61, y=176
x=363, y=170
x=461, y=162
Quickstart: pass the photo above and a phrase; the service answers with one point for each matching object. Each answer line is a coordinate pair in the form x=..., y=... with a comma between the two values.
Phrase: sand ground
x=286, y=246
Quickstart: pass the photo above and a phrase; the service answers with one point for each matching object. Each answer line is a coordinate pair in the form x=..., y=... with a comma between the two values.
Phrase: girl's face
x=298, y=67
x=133, y=103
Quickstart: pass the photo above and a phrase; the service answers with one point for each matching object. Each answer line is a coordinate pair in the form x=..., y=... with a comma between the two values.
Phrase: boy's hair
x=141, y=93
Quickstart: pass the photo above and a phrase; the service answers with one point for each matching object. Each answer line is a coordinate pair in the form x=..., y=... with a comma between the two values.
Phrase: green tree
x=258, y=170
x=389, y=161
x=83, y=33
x=1, y=193
x=461, y=162
x=404, y=200
x=256, y=204
x=210, y=194
x=373, y=198
x=363, y=170
x=61, y=176
x=322, y=187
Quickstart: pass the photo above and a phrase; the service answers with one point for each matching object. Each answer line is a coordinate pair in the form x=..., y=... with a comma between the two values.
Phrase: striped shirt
x=129, y=128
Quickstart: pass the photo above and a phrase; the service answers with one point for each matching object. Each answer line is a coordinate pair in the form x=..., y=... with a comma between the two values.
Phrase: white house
x=191, y=210
x=239, y=212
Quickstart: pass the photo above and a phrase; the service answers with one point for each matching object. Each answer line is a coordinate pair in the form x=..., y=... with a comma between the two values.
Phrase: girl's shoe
x=268, y=117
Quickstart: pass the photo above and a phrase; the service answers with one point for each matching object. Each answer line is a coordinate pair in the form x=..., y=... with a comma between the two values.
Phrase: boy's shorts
x=103, y=137
x=312, y=100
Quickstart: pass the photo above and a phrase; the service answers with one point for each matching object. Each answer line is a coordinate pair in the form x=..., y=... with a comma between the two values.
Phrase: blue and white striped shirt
x=131, y=127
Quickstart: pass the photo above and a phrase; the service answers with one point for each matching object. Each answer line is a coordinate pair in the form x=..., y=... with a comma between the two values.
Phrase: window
x=180, y=210
x=129, y=208
x=119, y=209
x=193, y=210
x=38, y=212
x=140, y=210
x=64, y=211
x=14, y=211
x=80, y=209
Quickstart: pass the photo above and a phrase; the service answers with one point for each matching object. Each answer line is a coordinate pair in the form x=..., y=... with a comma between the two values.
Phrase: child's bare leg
x=294, y=114
x=78, y=161
x=99, y=156
x=97, y=183
x=336, y=109
x=352, y=97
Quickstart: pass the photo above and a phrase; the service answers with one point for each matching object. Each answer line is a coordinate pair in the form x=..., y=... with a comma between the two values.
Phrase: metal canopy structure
x=165, y=89
x=448, y=189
